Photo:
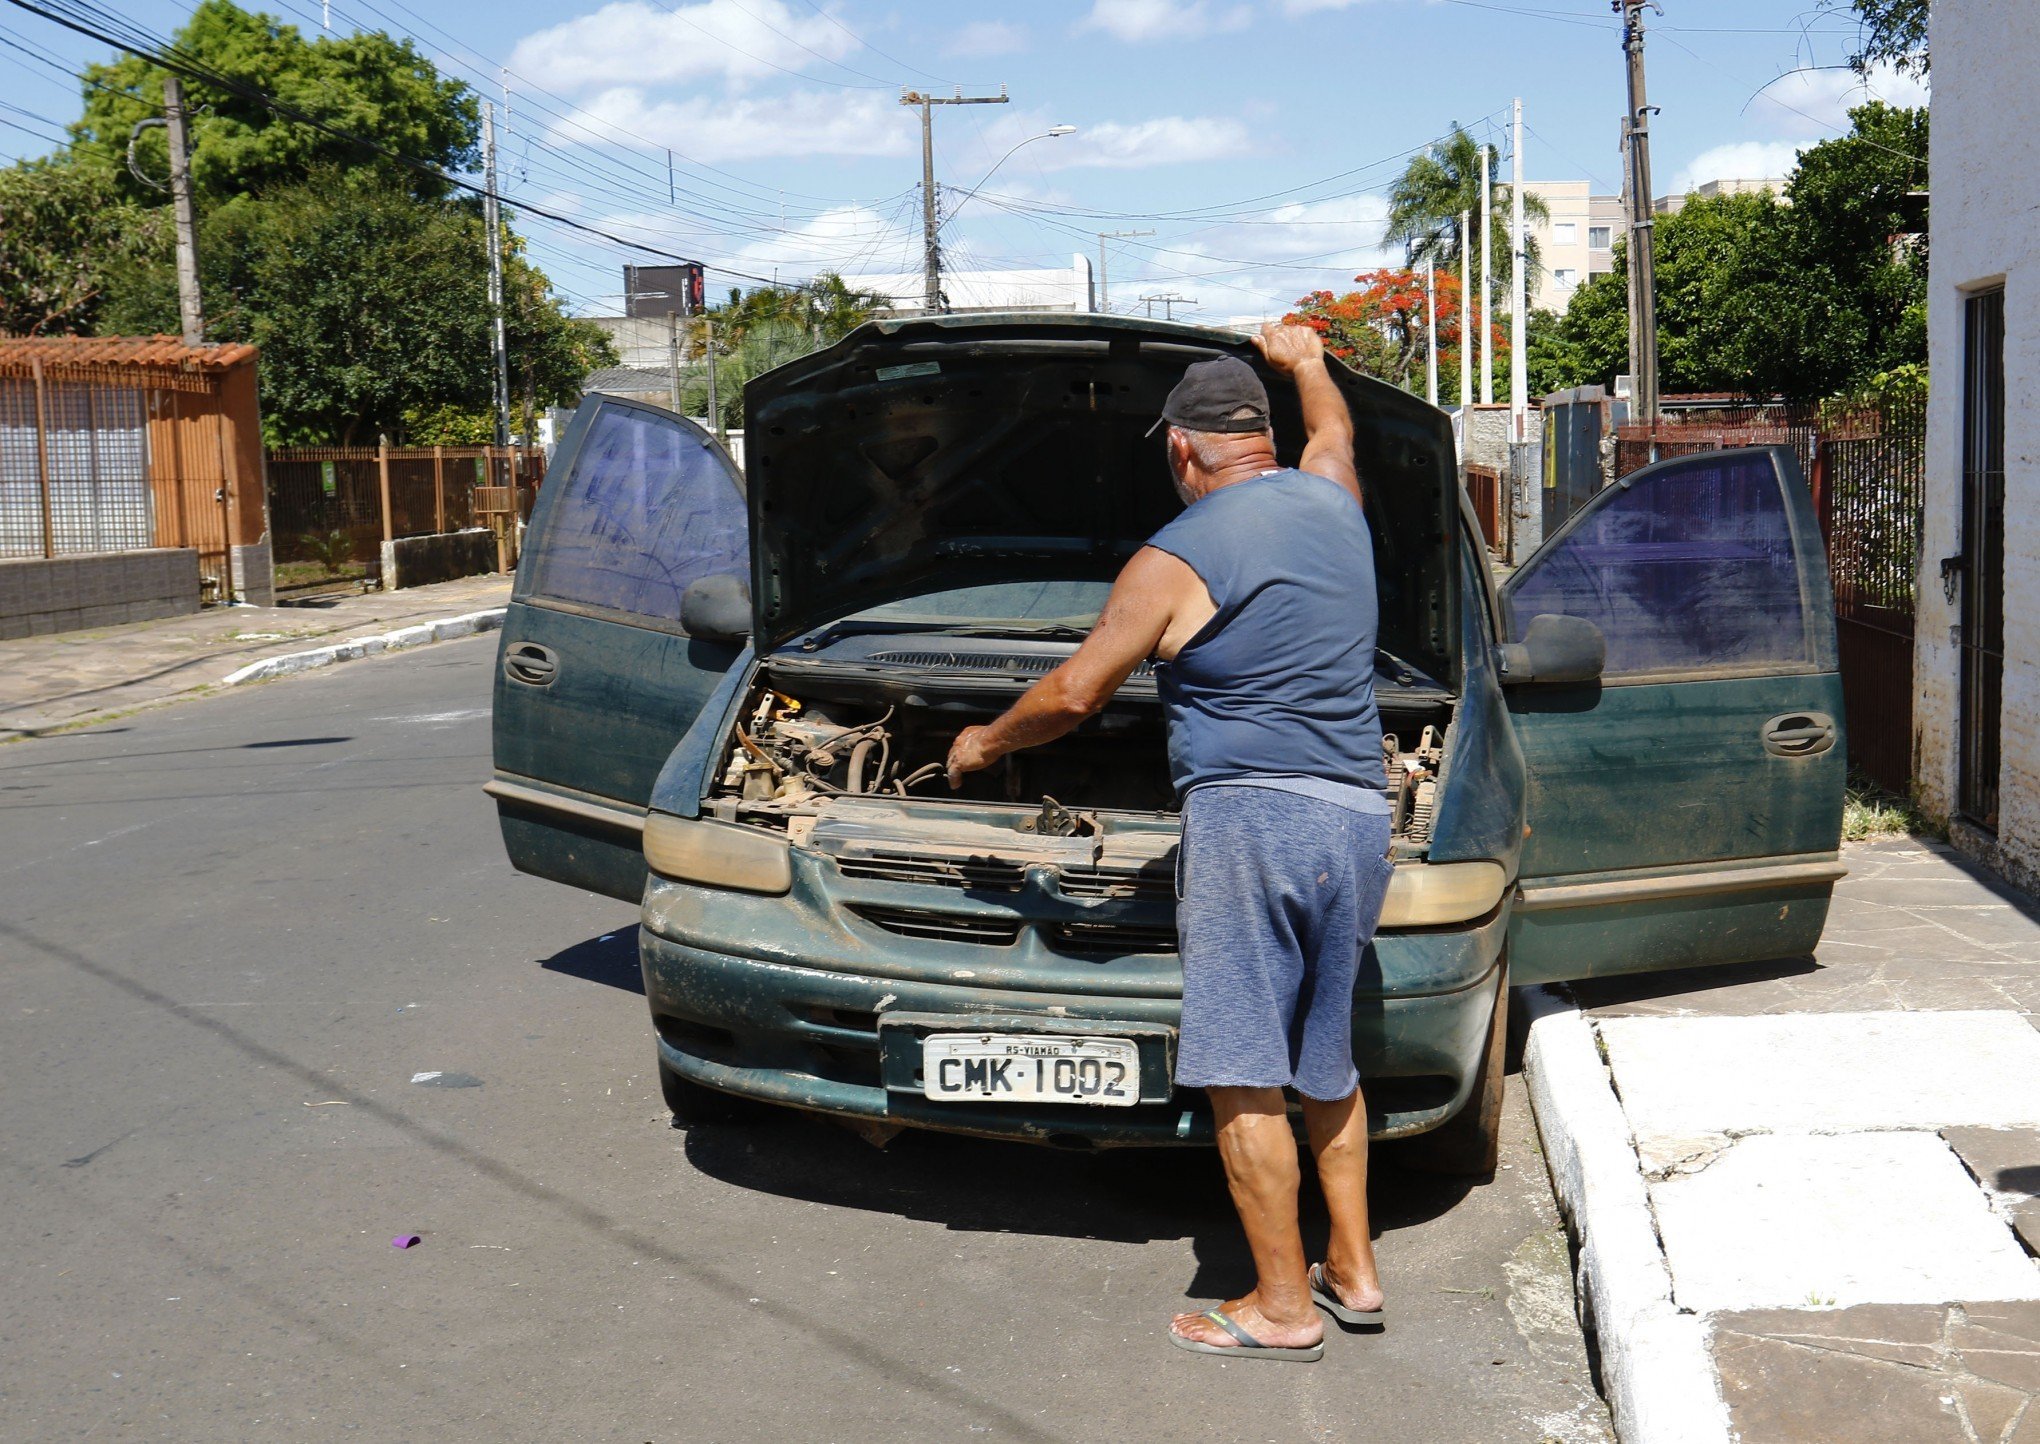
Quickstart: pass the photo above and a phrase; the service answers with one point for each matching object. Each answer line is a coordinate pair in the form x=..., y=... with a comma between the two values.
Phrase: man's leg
x=1338, y=1140
x=1258, y=1149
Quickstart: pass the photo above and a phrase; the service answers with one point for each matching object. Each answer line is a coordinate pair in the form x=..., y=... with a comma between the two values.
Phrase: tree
x=371, y=310
x=1380, y=329
x=363, y=84
x=64, y=232
x=1803, y=298
x=1893, y=31
x=758, y=330
x=1437, y=184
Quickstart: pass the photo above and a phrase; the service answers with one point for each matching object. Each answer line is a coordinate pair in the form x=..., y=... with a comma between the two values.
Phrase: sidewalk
x=49, y=683
x=1841, y=1159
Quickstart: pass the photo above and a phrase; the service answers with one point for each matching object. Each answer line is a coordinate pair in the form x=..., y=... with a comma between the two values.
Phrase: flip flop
x=1322, y=1295
x=1248, y=1347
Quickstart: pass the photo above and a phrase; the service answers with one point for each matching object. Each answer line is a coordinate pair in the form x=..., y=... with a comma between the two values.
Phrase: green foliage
x=1437, y=184
x=364, y=84
x=371, y=308
x=64, y=232
x=446, y=424
x=333, y=550
x=1761, y=297
x=1892, y=30
x=756, y=331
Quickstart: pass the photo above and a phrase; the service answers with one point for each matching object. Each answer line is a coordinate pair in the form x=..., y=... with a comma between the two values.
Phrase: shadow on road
x=611, y=960
x=1128, y=1195
x=1640, y=987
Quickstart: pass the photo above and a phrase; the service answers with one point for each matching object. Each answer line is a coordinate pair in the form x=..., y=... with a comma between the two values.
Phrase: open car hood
x=949, y=451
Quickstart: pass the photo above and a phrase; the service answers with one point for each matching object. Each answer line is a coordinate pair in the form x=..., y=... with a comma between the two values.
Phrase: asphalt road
x=237, y=931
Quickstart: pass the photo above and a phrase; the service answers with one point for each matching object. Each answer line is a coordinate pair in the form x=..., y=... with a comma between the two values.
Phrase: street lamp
x=1052, y=133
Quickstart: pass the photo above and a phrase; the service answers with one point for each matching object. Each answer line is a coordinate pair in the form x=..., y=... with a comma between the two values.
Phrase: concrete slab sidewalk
x=1840, y=1160
x=51, y=683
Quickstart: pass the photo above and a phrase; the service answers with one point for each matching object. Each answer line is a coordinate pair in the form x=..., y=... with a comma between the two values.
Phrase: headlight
x=717, y=854
x=1432, y=894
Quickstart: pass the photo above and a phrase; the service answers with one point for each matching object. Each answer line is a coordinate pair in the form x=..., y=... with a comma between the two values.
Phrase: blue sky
x=1255, y=137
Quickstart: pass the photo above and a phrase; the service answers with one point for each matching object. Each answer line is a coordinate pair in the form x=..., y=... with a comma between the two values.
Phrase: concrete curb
x=1655, y=1368
x=444, y=629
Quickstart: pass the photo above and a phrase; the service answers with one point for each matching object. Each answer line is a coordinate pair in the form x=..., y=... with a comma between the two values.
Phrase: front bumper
x=778, y=999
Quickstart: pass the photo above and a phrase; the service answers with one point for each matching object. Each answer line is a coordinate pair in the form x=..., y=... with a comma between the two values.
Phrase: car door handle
x=531, y=664
x=1799, y=734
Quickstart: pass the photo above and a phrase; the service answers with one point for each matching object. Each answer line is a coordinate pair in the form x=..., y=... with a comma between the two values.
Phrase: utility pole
x=1431, y=330
x=673, y=355
x=1487, y=231
x=1104, y=295
x=714, y=406
x=1170, y=300
x=491, y=222
x=931, y=254
x=189, y=310
x=1519, y=299
x=1643, y=400
x=1465, y=320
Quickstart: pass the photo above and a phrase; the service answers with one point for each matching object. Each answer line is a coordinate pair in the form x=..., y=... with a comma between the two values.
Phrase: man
x=1258, y=604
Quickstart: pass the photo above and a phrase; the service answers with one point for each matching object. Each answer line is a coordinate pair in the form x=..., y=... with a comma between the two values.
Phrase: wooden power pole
x=190, y=312
x=931, y=220
x=492, y=223
x=1643, y=382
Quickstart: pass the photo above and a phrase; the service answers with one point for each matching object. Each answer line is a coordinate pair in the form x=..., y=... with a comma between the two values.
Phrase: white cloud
x=1741, y=160
x=637, y=43
x=1816, y=103
x=715, y=129
x=1260, y=266
x=844, y=238
x=1142, y=20
x=982, y=39
x=1164, y=140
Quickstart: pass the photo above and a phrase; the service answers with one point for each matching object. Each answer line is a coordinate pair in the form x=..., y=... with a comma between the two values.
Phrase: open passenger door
x=597, y=678
x=1685, y=807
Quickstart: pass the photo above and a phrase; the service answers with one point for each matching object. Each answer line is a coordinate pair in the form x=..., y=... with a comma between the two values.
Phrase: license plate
x=1030, y=1068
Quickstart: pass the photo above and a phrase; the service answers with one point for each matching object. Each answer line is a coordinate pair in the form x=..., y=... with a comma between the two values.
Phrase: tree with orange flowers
x=1380, y=330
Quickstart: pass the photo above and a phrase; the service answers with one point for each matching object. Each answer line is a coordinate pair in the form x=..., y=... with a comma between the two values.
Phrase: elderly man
x=1258, y=604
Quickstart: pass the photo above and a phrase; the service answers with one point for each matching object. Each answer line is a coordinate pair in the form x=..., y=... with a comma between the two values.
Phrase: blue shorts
x=1278, y=893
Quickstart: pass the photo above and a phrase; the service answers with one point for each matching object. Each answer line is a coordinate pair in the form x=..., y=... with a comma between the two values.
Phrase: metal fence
x=95, y=459
x=1869, y=484
x=369, y=494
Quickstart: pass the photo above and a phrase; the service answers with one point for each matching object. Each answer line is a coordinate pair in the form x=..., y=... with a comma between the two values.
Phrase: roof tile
x=124, y=351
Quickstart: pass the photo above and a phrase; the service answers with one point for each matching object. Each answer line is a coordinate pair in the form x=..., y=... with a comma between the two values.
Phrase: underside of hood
x=949, y=451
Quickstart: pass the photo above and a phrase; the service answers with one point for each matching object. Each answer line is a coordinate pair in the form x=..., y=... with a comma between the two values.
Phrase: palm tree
x=1438, y=183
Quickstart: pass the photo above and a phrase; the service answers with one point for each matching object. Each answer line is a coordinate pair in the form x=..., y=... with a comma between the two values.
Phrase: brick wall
x=40, y=595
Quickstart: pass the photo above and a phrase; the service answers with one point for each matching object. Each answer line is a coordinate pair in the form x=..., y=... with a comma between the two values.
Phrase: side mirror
x=1555, y=649
x=716, y=609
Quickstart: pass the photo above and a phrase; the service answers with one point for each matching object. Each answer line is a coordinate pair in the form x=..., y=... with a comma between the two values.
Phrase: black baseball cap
x=1222, y=394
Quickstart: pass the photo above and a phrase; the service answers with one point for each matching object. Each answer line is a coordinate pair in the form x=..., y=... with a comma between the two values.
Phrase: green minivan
x=727, y=697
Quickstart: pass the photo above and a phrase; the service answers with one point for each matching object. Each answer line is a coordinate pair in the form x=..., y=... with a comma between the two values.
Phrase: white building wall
x=1984, y=195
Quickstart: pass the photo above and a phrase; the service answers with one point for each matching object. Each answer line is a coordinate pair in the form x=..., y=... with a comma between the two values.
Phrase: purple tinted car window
x=1689, y=568
x=648, y=508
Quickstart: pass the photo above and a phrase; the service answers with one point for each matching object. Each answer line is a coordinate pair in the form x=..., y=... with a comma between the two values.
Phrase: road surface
x=273, y=997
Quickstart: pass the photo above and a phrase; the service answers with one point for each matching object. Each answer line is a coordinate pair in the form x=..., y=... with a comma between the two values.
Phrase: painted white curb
x=442, y=630
x=1655, y=1367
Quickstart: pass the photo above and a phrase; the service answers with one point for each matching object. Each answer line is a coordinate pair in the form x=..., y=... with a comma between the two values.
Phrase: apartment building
x=1575, y=243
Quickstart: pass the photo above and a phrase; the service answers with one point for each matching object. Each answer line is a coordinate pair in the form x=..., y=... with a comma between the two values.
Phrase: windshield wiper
x=1048, y=631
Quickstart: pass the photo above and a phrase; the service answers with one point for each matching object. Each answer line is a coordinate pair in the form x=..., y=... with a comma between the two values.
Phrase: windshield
x=1048, y=605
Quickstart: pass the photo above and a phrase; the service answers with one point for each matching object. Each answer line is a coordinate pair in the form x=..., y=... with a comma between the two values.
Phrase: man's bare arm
x=1299, y=353
x=1142, y=604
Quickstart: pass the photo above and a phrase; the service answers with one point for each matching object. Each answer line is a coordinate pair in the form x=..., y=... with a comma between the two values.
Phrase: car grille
x=942, y=927
x=1114, y=938
x=968, y=873
x=1030, y=662
x=1156, y=884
